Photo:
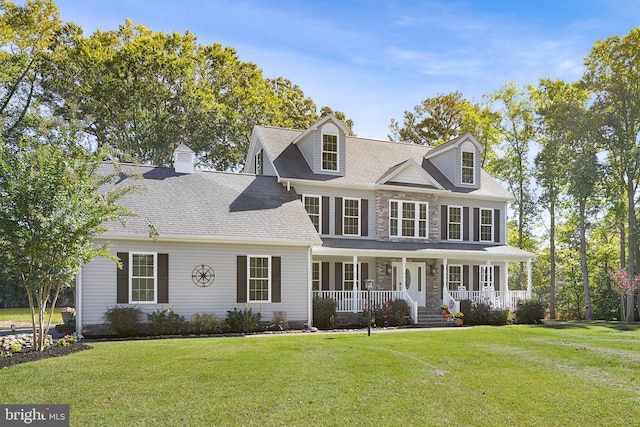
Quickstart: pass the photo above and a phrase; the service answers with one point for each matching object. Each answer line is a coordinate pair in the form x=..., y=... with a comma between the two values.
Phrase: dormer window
x=329, y=152
x=258, y=162
x=468, y=167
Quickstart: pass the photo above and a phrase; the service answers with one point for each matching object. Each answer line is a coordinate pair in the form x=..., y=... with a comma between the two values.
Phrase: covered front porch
x=424, y=278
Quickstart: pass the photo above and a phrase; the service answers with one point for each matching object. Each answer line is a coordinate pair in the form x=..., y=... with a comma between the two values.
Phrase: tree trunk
x=631, y=219
x=585, y=268
x=552, y=260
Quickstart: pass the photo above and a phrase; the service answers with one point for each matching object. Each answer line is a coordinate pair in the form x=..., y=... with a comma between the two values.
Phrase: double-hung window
x=455, y=276
x=486, y=276
x=408, y=219
x=351, y=217
x=316, y=276
x=486, y=225
x=259, y=278
x=313, y=208
x=329, y=152
x=349, y=275
x=455, y=223
x=143, y=275
x=468, y=167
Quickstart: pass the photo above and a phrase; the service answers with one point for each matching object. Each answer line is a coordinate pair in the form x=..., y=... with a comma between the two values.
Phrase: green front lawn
x=22, y=317
x=482, y=376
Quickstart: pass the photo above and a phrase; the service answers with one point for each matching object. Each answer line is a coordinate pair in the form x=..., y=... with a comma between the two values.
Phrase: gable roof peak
x=454, y=143
x=314, y=127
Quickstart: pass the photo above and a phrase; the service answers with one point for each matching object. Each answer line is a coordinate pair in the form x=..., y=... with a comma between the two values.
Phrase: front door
x=414, y=276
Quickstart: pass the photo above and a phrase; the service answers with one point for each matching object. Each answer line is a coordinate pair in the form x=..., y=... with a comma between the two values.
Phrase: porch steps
x=431, y=319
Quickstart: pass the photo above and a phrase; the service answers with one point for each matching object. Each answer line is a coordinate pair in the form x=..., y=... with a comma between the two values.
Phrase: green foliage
x=16, y=347
x=391, y=313
x=483, y=314
x=206, y=323
x=166, y=322
x=67, y=340
x=243, y=321
x=124, y=320
x=529, y=311
x=465, y=308
x=324, y=312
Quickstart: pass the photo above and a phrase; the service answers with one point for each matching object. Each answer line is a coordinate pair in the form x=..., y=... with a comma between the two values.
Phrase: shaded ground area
x=30, y=356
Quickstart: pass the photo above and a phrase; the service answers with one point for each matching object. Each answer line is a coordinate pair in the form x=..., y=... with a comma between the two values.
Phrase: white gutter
x=175, y=238
x=422, y=253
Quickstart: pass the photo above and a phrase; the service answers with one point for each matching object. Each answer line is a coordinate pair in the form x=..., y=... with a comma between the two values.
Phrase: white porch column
x=403, y=274
x=356, y=283
x=505, y=276
x=445, y=276
x=529, y=278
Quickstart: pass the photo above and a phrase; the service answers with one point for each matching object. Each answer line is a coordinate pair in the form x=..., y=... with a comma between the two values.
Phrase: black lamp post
x=369, y=284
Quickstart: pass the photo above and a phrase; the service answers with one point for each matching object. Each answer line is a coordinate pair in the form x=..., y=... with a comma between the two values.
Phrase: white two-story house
x=315, y=212
x=426, y=224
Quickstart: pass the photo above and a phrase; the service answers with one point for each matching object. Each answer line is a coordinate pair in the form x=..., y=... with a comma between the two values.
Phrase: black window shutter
x=476, y=278
x=338, y=216
x=122, y=276
x=496, y=277
x=325, y=215
x=476, y=224
x=276, y=279
x=364, y=217
x=496, y=225
x=465, y=276
x=364, y=275
x=325, y=276
x=444, y=222
x=338, y=286
x=163, y=278
x=465, y=224
x=241, y=279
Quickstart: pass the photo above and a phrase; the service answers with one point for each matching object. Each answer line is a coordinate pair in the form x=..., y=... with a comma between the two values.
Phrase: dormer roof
x=453, y=144
x=314, y=127
x=409, y=172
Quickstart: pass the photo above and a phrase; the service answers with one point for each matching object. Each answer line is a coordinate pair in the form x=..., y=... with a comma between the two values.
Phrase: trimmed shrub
x=530, y=311
x=480, y=314
x=206, y=323
x=124, y=321
x=499, y=317
x=243, y=321
x=465, y=308
x=166, y=322
x=324, y=312
x=391, y=313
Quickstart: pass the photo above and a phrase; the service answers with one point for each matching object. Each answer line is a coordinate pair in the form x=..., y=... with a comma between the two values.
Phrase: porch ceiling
x=376, y=248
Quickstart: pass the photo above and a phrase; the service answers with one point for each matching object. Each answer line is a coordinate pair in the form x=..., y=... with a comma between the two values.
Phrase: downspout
x=288, y=185
x=79, y=304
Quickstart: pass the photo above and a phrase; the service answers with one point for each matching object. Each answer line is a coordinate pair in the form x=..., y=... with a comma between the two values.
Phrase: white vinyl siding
x=351, y=217
x=99, y=279
x=455, y=225
x=408, y=219
x=143, y=277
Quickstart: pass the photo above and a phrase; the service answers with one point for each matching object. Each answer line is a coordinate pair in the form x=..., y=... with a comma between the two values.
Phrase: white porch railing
x=355, y=302
x=495, y=299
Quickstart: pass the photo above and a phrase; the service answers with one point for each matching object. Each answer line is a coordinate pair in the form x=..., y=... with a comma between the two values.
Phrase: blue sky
x=375, y=59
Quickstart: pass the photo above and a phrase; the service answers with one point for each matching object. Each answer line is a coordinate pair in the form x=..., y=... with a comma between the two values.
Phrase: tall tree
x=50, y=213
x=613, y=74
x=517, y=132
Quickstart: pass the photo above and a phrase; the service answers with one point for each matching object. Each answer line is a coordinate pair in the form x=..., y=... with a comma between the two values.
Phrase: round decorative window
x=203, y=275
x=407, y=279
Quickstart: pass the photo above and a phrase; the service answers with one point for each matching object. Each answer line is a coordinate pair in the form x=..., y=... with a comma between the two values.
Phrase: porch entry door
x=414, y=279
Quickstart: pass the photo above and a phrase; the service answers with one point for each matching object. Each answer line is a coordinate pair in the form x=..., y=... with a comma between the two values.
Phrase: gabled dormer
x=323, y=146
x=459, y=160
x=409, y=173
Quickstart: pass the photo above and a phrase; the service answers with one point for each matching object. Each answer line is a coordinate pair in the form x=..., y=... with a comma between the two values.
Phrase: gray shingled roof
x=435, y=250
x=213, y=205
x=367, y=161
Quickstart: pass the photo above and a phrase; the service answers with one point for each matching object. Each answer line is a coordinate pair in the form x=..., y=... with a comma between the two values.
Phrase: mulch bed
x=31, y=356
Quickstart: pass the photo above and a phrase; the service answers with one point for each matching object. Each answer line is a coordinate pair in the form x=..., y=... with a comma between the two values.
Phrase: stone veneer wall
x=432, y=283
x=382, y=214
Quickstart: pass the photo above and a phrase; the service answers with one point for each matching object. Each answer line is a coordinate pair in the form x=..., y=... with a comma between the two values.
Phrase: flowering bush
x=444, y=307
x=67, y=340
x=391, y=313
